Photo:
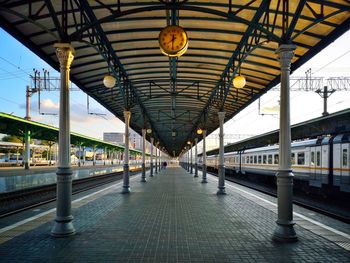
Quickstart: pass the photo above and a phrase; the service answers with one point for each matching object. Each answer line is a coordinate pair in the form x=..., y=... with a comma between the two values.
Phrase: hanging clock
x=173, y=41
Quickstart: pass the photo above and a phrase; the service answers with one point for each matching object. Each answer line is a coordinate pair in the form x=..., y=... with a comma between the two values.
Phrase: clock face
x=173, y=41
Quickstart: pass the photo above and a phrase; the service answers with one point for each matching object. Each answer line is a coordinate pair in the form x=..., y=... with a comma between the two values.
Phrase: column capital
x=127, y=114
x=65, y=54
x=221, y=115
x=195, y=140
x=285, y=53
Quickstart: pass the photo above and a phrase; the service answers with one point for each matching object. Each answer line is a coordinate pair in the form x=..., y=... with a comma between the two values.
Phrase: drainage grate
x=345, y=245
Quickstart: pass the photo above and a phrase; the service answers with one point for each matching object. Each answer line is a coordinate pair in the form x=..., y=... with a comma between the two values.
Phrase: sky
x=17, y=64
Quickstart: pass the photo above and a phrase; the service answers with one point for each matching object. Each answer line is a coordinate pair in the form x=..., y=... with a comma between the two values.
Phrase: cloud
x=46, y=106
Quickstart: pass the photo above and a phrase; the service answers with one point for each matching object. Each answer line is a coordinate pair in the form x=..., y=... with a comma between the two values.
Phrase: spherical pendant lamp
x=109, y=81
x=239, y=82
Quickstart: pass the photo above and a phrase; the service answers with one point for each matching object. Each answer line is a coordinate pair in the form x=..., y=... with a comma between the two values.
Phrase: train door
x=318, y=162
x=312, y=163
x=344, y=162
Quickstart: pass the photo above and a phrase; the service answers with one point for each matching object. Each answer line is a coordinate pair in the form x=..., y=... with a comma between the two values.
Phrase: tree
x=12, y=138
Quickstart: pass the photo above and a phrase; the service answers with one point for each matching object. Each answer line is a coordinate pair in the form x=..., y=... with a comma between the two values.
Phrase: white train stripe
x=294, y=213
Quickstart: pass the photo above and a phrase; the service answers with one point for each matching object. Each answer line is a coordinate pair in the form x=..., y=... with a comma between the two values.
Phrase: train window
x=247, y=159
x=312, y=159
x=301, y=158
x=255, y=159
x=292, y=158
x=259, y=159
x=318, y=158
x=269, y=159
x=264, y=159
x=345, y=157
x=251, y=159
x=276, y=158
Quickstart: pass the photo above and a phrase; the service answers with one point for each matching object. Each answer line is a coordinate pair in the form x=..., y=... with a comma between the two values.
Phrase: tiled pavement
x=171, y=218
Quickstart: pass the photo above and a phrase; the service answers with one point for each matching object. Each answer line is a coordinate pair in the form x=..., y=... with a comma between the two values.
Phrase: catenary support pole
x=143, y=177
x=285, y=226
x=221, y=170
x=195, y=158
x=27, y=149
x=84, y=155
x=126, y=186
x=94, y=156
x=204, y=156
x=63, y=225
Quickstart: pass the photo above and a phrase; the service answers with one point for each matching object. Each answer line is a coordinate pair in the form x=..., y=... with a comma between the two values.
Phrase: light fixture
x=173, y=133
x=149, y=131
x=188, y=142
x=239, y=82
x=109, y=81
x=199, y=131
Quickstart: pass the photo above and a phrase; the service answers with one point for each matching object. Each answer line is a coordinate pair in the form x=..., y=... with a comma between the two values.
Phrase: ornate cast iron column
x=151, y=173
x=143, y=177
x=221, y=170
x=126, y=186
x=195, y=158
x=204, y=156
x=63, y=225
x=156, y=159
x=191, y=159
x=285, y=226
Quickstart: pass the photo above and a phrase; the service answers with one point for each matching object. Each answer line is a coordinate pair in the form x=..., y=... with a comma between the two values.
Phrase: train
x=321, y=163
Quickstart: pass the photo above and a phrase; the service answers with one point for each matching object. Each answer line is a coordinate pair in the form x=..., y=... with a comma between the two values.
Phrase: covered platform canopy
x=175, y=96
x=14, y=125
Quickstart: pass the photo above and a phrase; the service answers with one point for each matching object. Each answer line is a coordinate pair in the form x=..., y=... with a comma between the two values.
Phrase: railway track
x=324, y=209
x=17, y=201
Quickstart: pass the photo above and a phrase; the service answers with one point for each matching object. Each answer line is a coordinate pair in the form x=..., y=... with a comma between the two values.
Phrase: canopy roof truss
x=174, y=97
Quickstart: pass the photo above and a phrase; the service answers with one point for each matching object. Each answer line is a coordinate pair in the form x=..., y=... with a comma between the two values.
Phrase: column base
x=126, y=187
x=221, y=191
x=26, y=166
x=151, y=173
x=204, y=174
x=63, y=227
x=196, y=170
x=284, y=233
x=143, y=177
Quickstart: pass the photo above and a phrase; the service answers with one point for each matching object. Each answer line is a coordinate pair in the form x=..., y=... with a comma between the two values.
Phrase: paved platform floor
x=171, y=218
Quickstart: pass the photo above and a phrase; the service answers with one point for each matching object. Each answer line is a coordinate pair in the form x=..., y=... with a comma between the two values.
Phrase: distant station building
x=119, y=138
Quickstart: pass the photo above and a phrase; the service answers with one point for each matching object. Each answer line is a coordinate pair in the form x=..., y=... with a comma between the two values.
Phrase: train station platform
x=173, y=218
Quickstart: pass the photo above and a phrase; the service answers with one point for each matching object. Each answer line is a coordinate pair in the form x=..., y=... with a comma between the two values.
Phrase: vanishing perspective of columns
x=221, y=168
x=285, y=226
x=143, y=177
x=63, y=225
x=126, y=186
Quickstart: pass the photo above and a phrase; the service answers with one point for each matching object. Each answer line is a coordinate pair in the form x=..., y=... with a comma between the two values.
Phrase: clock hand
x=173, y=38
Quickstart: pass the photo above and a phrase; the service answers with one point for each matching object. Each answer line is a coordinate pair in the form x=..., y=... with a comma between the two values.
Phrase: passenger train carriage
x=320, y=162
